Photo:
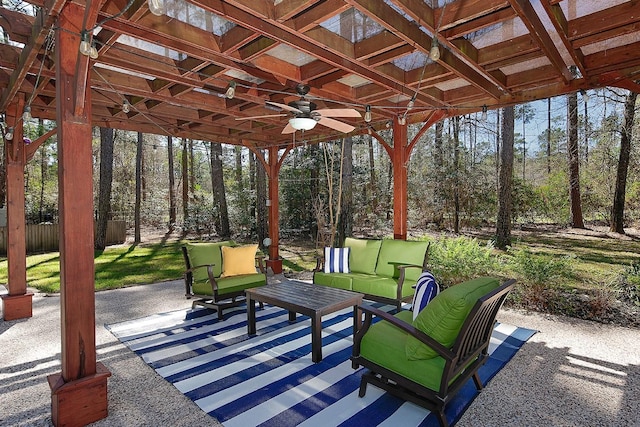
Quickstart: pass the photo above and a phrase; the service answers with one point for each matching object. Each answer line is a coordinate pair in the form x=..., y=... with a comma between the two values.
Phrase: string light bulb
x=9, y=134
x=85, y=45
x=483, y=116
x=26, y=114
x=126, y=107
x=93, y=52
x=434, y=53
x=367, y=114
x=231, y=90
x=156, y=7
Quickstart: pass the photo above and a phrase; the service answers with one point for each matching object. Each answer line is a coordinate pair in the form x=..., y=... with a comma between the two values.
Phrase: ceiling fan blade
x=338, y=112
x=260, y=117
x=288, y=129
x=335, y=124
x=285, y=107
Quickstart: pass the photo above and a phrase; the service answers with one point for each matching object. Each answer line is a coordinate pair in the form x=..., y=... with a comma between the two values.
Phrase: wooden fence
x=44, y=237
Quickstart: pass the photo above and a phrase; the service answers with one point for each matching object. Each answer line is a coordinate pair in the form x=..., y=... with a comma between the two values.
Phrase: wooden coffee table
x=311, y=300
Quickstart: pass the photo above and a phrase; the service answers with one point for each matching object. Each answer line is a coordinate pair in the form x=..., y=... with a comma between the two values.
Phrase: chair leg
x=442, y=418
x=219, y=309
x=477, y=381
x=363, y=386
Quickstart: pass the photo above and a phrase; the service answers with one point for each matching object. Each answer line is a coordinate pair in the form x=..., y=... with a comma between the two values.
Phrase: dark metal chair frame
x=468, y=353
x=215, y=301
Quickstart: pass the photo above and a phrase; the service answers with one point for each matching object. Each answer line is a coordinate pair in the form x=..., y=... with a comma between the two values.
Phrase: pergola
x=193, y=68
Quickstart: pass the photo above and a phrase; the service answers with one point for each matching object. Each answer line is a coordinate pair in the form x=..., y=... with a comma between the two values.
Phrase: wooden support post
x=400, y=158
x=273, y=203
x=18, y=303
x=79, y=392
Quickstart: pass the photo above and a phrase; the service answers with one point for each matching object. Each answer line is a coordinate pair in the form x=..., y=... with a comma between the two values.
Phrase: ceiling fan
x=306, y=115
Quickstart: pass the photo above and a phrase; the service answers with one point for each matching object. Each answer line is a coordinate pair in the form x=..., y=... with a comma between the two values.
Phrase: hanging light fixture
x=126, y=107
x=93, y=52
x=85, y=45
x=9, y=134
x=302, y=123
x=156, y=7
x=26, y=114
x=434, y=53
x=367, y=113
x=483, y=116
x=231, y=90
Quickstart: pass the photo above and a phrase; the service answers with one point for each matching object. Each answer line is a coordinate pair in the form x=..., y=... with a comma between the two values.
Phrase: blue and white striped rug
x=270, y=380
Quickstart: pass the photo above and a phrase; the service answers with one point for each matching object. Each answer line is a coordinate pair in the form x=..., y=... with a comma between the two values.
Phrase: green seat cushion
x=335, y=280
x=231, y=284
x=394, y=252
x=363, y=255
x=205, y=254
x=442, y=319
x=384, y=344
x=381, y=286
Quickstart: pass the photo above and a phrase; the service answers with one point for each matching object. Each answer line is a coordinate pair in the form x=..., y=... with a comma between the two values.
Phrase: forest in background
x=216, y=190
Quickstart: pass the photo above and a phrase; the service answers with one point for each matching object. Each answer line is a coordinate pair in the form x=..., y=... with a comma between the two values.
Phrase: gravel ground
x=571, y=373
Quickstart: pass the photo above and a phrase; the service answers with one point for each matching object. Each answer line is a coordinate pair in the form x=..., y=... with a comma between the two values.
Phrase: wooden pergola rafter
x=174, y=70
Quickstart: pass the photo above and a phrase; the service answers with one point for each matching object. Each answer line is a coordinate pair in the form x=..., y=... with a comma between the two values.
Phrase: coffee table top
x=305, y=295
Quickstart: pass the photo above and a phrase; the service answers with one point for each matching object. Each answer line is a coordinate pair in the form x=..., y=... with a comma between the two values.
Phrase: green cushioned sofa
x=427, y=360
x=384, y=270
x=203, y=277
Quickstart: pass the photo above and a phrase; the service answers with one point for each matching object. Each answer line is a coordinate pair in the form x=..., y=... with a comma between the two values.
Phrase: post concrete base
x=275, y=265
x=17, y=306
x=79, y=402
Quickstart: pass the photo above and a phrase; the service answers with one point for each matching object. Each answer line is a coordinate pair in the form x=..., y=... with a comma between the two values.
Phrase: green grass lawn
x=594, y=262
x=115, y=267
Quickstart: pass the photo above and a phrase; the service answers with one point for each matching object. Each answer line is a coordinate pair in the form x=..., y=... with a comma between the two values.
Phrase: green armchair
x=217, y=274
x=426, y=361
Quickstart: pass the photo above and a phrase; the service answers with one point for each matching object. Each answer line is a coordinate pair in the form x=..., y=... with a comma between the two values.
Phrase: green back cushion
x=204, y=254
x=364, y=254
x=393, y=252
x=442, y=319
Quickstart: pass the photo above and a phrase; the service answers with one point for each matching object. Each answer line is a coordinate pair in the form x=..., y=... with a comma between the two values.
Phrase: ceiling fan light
x=302, y=123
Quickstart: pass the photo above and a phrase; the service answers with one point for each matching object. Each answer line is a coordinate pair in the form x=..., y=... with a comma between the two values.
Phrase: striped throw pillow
x=336, y=260
x=426, y=290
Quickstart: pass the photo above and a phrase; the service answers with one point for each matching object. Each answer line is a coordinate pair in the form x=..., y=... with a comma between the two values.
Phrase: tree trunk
x=192, y=169
x=345, y=228
x=185, y=186
x=314, y=154
x=104, y=191
x=503, y=223
x=438, y=183
x=617, y=210
x=574, y=162
x=261, y=200
x=456, y=174
x=172, y=189
x=549, y=136
x=252, y=183
x=137, y=238
x=373, y=184
x=219, y=193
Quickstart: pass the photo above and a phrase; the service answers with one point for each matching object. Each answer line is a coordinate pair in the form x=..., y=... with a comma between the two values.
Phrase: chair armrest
x=260, y=263
x=209, y=267
x=319, y=263
x=369, y=312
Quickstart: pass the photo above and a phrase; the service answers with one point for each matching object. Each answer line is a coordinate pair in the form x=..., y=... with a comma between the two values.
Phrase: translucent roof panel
x=291, y=55
x=198, y=17
x=353, y=80
x=241, y=75
x=498, y=33
x=411, y=61
x=352, y=25
x=150, y=47
x=573, y=10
